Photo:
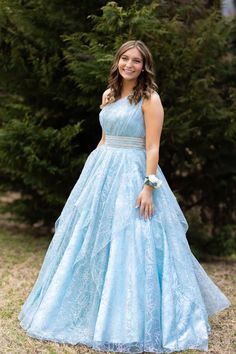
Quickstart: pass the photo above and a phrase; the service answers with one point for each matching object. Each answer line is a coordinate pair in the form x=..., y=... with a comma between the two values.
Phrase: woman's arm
x=153, y=118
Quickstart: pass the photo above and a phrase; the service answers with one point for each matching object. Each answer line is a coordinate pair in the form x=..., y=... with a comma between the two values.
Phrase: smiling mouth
x=128, y=71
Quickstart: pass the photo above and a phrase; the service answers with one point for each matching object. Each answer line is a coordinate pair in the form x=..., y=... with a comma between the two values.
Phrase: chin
x=128, y=77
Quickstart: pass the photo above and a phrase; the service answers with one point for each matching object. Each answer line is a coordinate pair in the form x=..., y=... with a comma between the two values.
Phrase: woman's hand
x=144, y=201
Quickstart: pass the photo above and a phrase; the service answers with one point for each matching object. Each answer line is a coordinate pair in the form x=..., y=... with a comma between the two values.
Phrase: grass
x=21, y=255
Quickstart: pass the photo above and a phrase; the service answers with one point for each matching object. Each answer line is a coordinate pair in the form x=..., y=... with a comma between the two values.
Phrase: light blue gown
x=110, y=279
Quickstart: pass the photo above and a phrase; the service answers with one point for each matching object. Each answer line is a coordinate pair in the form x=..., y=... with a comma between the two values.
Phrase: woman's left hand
x=145, y=202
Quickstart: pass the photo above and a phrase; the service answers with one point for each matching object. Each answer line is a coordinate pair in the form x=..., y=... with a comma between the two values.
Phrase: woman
x=119, y=274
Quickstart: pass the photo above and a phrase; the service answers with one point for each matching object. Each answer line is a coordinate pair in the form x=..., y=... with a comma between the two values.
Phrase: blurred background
x=55, y=58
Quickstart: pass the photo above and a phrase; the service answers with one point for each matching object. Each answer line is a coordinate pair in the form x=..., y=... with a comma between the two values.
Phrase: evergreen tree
x=41, y=152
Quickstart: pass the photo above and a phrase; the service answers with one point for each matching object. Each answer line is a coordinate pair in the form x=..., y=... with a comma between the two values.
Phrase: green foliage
x=36, y=161
x=223, y=242
x=205, y=239
x=54, y=69
x=40, y=122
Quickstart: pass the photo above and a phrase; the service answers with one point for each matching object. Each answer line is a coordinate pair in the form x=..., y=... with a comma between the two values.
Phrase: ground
x=21, y=255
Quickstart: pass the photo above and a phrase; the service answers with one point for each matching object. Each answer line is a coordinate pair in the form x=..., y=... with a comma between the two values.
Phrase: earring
x=142, y=69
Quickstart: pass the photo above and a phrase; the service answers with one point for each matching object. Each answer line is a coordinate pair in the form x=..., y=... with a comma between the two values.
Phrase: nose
x=129, y=64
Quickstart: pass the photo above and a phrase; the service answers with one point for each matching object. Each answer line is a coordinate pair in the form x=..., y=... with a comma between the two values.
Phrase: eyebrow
x=125, y=55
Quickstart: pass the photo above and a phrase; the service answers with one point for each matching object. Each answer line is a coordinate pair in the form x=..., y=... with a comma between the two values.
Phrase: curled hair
x=145, y=81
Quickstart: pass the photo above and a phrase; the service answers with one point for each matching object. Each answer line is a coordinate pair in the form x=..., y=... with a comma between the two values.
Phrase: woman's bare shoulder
x=104, y=95
x=153, y=100
x=154, y=96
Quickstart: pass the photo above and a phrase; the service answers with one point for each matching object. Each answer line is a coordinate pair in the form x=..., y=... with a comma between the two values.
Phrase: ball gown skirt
x=110, y=279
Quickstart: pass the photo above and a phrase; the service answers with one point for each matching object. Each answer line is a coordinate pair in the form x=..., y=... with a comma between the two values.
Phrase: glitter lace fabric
x=111, y=280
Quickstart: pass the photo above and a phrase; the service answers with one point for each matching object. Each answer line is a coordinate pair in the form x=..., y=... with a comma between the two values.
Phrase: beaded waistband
x=125, y=141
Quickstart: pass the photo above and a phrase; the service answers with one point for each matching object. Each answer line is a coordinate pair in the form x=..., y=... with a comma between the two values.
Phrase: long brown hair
x=145, y=82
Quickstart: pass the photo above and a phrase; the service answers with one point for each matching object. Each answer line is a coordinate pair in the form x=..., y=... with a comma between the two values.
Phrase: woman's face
x=130, y=64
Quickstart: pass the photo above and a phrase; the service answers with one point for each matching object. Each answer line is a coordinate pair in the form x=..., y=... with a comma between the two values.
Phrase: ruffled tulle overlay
x=114, y=281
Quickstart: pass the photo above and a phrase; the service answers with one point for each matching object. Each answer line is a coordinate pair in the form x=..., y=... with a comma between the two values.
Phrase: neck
x=127, y=87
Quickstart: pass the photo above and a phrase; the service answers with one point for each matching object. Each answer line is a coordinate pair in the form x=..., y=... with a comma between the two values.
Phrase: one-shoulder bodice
x=123, y=118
